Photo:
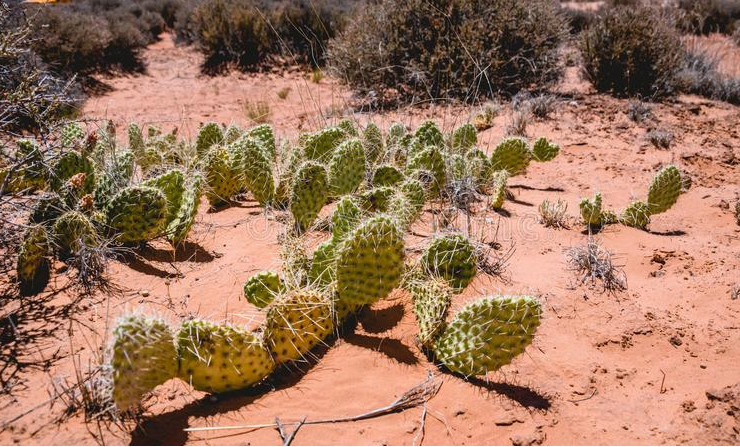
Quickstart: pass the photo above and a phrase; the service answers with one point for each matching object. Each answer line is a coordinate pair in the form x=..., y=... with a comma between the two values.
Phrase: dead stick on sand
x=418, y=395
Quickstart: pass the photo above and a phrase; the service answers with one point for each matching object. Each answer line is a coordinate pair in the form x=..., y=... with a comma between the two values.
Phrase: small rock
x=144, y=293
x=688, y=406
x=507, y=420
x=702, y=366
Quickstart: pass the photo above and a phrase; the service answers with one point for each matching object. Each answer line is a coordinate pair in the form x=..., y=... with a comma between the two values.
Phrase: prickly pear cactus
x=209, y=134
x=32, y=255
x=487, y=334
x=323, y=264
x=69, y=164
x=431, y=299
x=137, y=214
x=263, y=287
x=264, y=135
x=347, y=168
x=296, y=322
x=429, y=159
x=480, y=168
x=407, y=203
x=396, y=133
x=71, y=231
x=172, y=185
x=232, y=133
x=218, y=358
x=637, y=214
x=457, y=167
x=320, y=145
x=223, y=179
x=47, y=210
x=377, y=199
x=348, y=127
x=136, y=140
x=498, y=195
x=387, y=175
x=464, y=138
x=310, y=191
x=451, y=257
x=544, y=151
x=428, y=134
x=295, y=261
x=591, y=210
x=512, y=155
x=372, y=141
x=144, y=356
x=256, y=168
x=33, y=173
x=345, y=218
x=72, y=136
x=370, y=261
x=664, y=190
x=179, y=227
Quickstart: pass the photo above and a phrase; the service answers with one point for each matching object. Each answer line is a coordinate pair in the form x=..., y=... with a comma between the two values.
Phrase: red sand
x=646, y=366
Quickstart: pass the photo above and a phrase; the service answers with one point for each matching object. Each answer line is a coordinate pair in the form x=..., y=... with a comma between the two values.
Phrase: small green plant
x=553, y=214
x=317, y=75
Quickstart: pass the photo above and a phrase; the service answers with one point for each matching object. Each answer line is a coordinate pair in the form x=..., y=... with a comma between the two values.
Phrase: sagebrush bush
x=88, y=36
x=420, y=49
x=708, y=16
x=700, y=75
x=633, y=51
x=247, y=33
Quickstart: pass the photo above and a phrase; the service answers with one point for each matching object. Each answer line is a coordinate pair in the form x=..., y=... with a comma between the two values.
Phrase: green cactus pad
x=431, y=299
x=310, y=191
x=451, y=257
x=137, y=214
x=664, y=190
x=347, y=168
x=32, y=254
x=544, y=151
x=209, y=134
x=69, y=164
x=71, y=231
x=179, y=227
x=262, y=288
x=348, y=127
x=323, y=264
x=232, y=133
x=223, y=178
x=464, y=138
x=264, y=135
x=48, y=208
x=377, y=199
x=512, y=155
x=387, y=175
x=296, y=322
x=396, y=133
x=136, y=140
x=372, y=141
x=487, y=334
x=144, y=356
x=72, y=136
x=480, y=168
x=345, y=218
x=218, y=358
x=591, y=212
x=370, y=261
x=637, y=214
x=428, y=134
x=172, y=185
x=256, y=169
x=320, y=145
x=498, y=194
x=429, y=159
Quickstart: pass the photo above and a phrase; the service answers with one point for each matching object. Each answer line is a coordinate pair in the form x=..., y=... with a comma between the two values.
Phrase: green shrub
x=633, y=51
x=419, y=49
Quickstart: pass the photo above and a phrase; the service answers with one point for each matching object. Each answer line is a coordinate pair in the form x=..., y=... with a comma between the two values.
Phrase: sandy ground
x=657, y=364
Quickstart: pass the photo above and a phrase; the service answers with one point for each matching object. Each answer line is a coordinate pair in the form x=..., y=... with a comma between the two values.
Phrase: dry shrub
x=249, y=33
x=591, y=262
x=633, y=51
x=660, y=138
x=553, y=214
x=700, y=75
x=409, y=50
x=708, y=16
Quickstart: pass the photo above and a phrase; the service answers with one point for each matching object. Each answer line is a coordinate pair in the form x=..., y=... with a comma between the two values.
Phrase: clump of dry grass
x=258, y=111
x=553, y=214
x=484, y=118
x=593, y=263
x=639, y=111
x=283, y=92
x=542, y=106
x=518, y=125
x=660, y=138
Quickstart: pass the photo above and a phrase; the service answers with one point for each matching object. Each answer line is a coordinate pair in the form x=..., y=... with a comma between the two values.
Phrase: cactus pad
x=310, y=191
x=32, y=255
x=664, y=190
x=487, y=334
x=262, y=288
x=219, y=358
x=511, y=155
x=431, y=299
x=464, y=138
x=637, y=214
x=372, y=141
x=264, y=135
x=137, y=213
x=451, y=257
x=209, y=134
x=347, y=168
x=544, y=150
x=324, y=264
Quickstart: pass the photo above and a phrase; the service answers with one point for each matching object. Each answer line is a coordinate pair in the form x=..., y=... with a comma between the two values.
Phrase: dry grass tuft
x=553, y=214
x=258, y=111
x=592, y=262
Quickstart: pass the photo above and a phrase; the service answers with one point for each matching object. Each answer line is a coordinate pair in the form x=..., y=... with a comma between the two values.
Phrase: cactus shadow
x=524, y=396
x=532, y=188
x=186, y=251
x=139, y=264
x=668, y=233
x=39, y=281
x=376, y=321
x=390, y=347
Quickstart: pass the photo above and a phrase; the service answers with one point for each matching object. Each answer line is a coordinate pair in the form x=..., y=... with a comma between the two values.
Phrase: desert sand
x=656, y=364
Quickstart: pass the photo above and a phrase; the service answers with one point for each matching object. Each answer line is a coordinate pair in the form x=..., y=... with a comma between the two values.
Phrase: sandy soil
x=657, y=364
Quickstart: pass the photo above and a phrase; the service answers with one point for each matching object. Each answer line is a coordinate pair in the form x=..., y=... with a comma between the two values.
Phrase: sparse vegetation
x=593, y=263
x=633, y=51
x=257, y=111
x=660, y=138
x=639, y=111
x=553, y=214
x=414, y=50
x=283, y=92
